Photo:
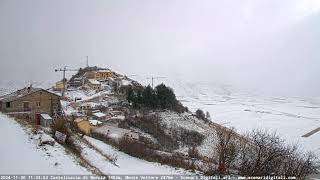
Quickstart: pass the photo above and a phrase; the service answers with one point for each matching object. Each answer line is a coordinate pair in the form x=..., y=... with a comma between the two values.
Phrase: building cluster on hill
x=93, y=78
x=95, y=100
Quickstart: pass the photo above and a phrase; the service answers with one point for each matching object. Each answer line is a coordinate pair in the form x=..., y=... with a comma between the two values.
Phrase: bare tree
x=193, y=152
x=226, y=148
x=208, y=117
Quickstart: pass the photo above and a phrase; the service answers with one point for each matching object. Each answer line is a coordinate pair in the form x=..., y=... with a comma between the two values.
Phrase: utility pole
x=64, y=69
x=153, y=78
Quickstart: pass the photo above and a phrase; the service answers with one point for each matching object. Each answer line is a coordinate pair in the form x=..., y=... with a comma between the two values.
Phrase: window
x=38, y=104
x=26, y=106
x=8, y=104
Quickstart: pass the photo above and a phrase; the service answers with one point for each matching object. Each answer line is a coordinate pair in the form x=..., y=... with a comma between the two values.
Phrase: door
x=37, y=118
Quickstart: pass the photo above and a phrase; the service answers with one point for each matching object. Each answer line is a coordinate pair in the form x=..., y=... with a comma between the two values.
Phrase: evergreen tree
x=130, y=96
x=138, y=98
x=166, y=97
x=149, y=99
x=161, y=97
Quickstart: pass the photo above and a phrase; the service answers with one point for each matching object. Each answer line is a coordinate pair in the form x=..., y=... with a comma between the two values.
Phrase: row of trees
x=162, y=97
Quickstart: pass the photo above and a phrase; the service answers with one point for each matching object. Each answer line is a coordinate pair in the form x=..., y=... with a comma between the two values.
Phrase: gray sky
x=272, y=45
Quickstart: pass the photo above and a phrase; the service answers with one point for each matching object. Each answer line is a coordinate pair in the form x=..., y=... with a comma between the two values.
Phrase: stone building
x=30, y=103
x=94, y=84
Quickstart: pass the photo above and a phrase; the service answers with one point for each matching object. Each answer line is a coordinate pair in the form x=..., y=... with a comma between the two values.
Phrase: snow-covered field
x=291, y=117
x=20, y=154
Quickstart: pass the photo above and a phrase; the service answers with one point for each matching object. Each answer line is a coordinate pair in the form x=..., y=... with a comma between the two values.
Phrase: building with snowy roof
x=94, y=84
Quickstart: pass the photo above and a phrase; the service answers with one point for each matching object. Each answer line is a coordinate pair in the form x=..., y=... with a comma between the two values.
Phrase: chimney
x=29, y=88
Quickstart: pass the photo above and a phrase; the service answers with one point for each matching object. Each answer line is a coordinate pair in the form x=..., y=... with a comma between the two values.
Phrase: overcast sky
x=272, y=45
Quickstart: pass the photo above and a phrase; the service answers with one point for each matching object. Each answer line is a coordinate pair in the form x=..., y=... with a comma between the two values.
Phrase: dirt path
x=311, y=132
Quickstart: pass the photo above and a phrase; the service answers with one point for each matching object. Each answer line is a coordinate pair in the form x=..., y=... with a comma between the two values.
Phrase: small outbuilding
x=45, y=120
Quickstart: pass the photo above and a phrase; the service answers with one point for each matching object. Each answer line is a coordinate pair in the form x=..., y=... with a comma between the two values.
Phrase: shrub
x=226, y=148
x=134, y=148
x=187, y=137
x=200, y=114
x=60, y=125
x=267, y=154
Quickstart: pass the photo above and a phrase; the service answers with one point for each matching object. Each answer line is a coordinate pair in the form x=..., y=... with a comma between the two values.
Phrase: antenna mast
x=153, y=78
x=87, y=61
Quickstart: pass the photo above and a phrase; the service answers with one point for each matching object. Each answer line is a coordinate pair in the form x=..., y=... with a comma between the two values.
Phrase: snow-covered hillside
x=125, y=164
x=21, y=154
x=291, y=117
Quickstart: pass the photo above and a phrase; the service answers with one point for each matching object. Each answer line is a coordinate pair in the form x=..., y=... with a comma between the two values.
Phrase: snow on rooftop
x=99, y=114
x=94, y=81
x=95, y=95
x=119, y=117
x=46, y=116
x=104, y=70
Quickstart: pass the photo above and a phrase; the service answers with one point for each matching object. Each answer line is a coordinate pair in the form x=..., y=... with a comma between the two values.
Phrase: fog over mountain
x=269, y=45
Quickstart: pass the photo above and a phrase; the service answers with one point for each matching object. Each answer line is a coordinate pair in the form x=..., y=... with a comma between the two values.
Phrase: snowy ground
x=21, y=155
x=125, y=164
x=291, y=117
x=187, y=122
